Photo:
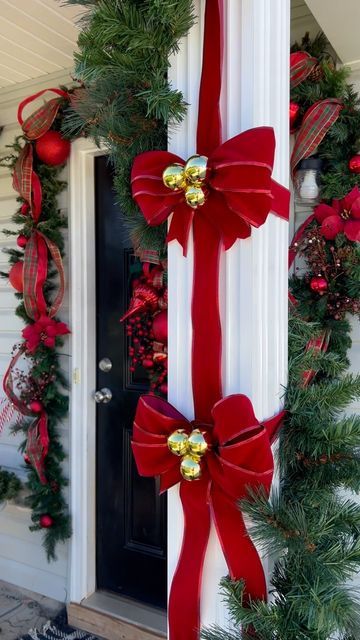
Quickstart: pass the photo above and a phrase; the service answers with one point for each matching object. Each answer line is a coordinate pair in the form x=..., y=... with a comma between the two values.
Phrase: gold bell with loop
x=195, y=169
x=194, y=196
x=197, y=443
x=174, y=177
x=190, y=468
x=178, y=442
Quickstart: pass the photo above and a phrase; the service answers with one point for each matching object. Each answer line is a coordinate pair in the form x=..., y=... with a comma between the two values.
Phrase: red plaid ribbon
x=41, y=120
x=301, y=65
x=37, y=445
x=320, y=343
x=35, y=273
x=315, y=125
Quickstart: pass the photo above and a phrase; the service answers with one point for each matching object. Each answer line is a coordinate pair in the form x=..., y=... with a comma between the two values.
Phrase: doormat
x=58, y=629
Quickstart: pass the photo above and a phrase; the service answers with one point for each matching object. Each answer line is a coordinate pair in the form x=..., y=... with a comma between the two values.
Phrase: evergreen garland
x=126, y=101
x=309, y=527
x=44, y=375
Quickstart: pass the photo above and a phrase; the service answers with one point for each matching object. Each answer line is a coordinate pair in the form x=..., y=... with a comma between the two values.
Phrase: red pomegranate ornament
x=52, y=148
x=46, y=521
x=318, y=284
x=16, y=276
x=160, y=327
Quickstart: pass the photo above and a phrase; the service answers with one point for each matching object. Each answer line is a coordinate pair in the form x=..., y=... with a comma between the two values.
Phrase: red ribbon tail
x=240, y=552
x=281, y=200
x=184, y=601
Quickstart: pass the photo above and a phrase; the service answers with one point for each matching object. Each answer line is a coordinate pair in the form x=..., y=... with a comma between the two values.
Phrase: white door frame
x=82, y=560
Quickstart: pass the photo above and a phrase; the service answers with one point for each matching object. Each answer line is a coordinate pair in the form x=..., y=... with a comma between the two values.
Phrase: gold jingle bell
x=195, y=197
x=178, y=442
x=195, y=169
x=197, y=443
x=173, y=177
x=190, y=468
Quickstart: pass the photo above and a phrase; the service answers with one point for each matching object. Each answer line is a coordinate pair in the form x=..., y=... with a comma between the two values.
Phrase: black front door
x=131, y=518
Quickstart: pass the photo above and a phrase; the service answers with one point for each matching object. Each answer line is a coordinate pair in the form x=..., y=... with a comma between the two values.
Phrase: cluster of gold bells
x=190, y=448
x=189, y=178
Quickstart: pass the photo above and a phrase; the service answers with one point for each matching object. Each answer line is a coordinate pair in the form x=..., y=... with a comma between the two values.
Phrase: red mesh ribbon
x=37, y=445
x=239, y=457
x=301, y=65
x=314, y=127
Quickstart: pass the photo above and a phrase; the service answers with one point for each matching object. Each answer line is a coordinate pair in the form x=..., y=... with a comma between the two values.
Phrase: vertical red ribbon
x=184, y=599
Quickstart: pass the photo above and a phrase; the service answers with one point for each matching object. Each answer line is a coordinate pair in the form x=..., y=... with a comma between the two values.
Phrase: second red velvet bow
x=238, y=189
x=236, y=455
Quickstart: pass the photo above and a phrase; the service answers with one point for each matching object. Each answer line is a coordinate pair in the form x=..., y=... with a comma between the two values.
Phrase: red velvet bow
x=240, y=189
x=239, y=456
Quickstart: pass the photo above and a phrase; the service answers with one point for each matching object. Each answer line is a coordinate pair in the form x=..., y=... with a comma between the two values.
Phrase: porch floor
x=22, y=610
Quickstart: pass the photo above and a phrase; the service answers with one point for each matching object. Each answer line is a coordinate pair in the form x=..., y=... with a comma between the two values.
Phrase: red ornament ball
x=36, y=406
x=331, y=226
x=148, y=363
x=46, y=521
x=160, y=327
x=52, y=148
x=21, y=241
x=164, y=388
x=294, y=109
x=318, y=284
x=16, y=276
x=354, y=163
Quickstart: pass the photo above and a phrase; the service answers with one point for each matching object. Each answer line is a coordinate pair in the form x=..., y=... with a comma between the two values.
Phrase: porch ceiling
x=37, y=38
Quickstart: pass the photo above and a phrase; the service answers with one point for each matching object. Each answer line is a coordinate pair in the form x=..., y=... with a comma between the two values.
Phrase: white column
x=254, y=272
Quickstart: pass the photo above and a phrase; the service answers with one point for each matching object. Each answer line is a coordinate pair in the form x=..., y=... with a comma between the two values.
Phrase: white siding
x=22, y=558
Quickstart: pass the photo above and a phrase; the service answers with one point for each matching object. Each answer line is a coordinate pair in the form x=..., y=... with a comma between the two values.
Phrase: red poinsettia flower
x=43, y=331
x=343, y=216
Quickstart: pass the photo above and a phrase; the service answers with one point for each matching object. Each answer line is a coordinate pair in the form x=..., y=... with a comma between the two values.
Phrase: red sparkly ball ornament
x=36, y=406
x=164, y=388
x=294, y=109
x=160, y=327
x=52, y=148
x=21, y=241
x=318, y=284
x=46, y=521
x=16, y=276
x=354, y=163
x=148, y=363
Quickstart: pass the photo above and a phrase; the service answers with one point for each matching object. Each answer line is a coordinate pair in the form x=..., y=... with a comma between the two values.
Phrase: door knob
x=103, y=396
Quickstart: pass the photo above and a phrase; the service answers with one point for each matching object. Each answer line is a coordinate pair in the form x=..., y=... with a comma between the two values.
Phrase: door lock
x=103, y=396
x=105, y=365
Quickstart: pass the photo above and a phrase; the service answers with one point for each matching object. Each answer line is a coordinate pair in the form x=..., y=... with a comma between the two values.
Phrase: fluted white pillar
x=254, y=272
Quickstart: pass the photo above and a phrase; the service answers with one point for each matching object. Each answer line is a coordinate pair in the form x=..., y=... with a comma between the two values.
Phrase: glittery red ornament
x=354, y=163
x=164, y=388
x=21, y=241
x=294, y=109
x=331, y=226
x=160, y=327
x=318, y=284
x=148, y=363
x=36, y=406
x=143, y=298
x=52, y=148
x=46, y=521
x=16, y=276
